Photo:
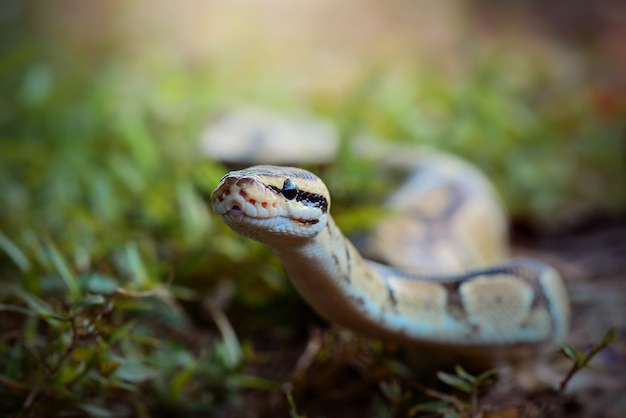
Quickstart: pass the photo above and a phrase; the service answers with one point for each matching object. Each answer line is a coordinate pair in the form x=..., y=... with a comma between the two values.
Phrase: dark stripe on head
x=312, y=199
x=306, y=198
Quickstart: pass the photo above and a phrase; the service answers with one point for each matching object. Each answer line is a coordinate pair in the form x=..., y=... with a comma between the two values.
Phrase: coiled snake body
x=447, y=229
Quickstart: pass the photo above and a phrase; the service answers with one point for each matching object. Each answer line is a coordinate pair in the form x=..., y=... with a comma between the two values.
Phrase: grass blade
x=14, y=253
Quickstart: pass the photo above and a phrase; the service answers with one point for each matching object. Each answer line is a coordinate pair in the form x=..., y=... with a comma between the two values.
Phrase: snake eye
x=289, y=190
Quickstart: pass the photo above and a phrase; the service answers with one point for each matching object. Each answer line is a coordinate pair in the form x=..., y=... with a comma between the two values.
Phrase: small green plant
x=293, y=410
x=580, y=359
x=467, y=406
x=452, y=406
x=72, y=341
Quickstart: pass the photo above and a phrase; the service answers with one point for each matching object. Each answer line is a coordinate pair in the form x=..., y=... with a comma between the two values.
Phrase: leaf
x=570, y=352
x=133, y=371
x=136, y=266
x=17, y=309
x=609, y=337
x=483, y=378
x=392, y=390
x=455, y=382
x=432, y=406
x=179, y=380
x=120, y=332
x=107, y=366
x=89, y=301
x=293, y=410
x=96, y=411
x=195, y=218
x=97, y=283
x=64, y=271
x=14, y=253
x=460, y=372
x=232, y=351
x=120, y=384
x=39, y=306
x=452, y=414
x=255, y=382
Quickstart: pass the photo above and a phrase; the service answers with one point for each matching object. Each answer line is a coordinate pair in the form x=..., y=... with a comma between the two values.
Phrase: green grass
x=111, y=264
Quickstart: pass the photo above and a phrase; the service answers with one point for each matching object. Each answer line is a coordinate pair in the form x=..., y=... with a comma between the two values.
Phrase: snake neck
x=329, y=272
x=375, y=301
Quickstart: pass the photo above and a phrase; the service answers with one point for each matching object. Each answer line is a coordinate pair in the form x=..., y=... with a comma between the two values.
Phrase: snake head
x=266, y=202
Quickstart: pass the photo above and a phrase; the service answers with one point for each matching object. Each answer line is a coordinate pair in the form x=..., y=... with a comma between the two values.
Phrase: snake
x=438, y=275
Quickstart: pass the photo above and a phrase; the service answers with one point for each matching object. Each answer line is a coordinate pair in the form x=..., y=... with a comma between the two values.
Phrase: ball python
x=439, y=279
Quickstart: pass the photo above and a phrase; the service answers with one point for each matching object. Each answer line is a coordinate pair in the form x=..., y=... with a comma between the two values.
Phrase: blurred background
x=122, y=295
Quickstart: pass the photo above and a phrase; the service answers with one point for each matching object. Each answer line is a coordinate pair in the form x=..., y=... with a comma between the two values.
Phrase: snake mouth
x=239, y=206
x=235, y=212
x=238, y=211
x=235, y=209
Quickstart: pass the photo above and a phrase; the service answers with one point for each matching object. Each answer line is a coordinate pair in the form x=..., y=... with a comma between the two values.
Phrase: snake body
x=425, y=299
